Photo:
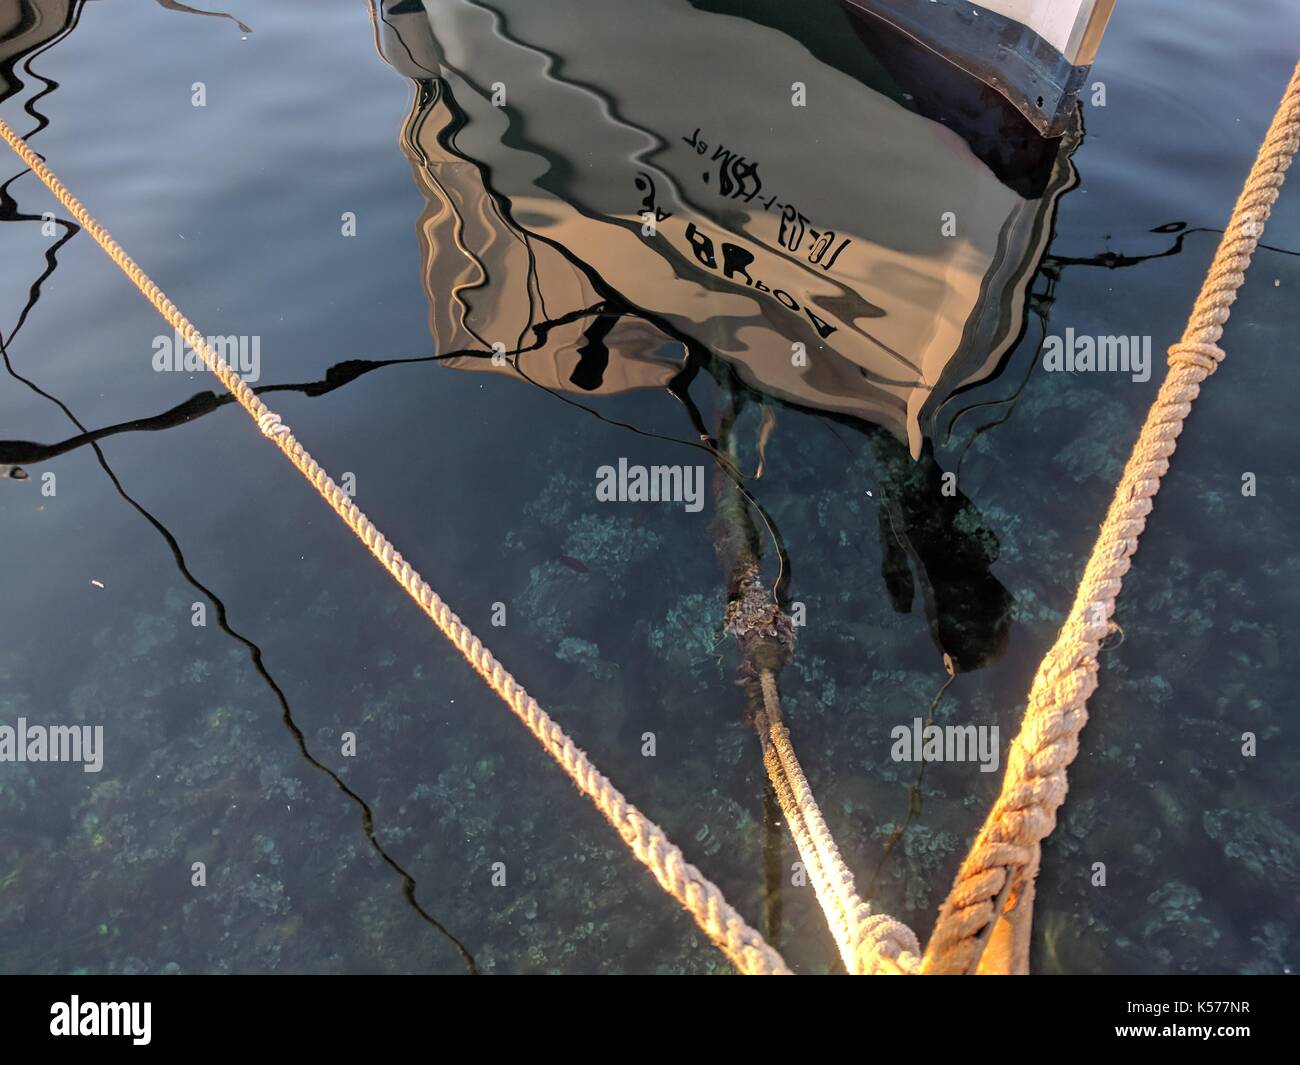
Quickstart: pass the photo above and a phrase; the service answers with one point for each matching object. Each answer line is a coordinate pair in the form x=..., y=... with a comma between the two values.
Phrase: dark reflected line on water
x=255, y=655
x=618, y=424
x=1114, y=260
x=1010, y=401
x=8, y=213
x=338, y=375
x=29, y=107
x=375, y=19
x=185, y=9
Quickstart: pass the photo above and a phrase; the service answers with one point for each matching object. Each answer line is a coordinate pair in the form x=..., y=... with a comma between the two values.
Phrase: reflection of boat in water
x=840, y=249
x=25, y=27
x=871, y=275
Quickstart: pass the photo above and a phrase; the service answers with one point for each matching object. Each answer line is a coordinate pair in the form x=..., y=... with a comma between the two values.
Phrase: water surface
x=517, y=228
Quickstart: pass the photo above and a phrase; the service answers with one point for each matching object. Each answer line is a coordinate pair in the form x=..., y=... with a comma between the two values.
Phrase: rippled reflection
x=849, y=254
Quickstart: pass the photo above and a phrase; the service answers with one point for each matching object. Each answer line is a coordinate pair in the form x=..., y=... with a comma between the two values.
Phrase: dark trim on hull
x=1002, y=53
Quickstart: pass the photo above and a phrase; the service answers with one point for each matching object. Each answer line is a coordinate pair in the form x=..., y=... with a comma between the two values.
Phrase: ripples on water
x=780, y=233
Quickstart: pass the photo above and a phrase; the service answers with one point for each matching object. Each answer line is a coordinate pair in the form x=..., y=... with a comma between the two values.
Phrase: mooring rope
x=744, y=946
x=869, y=943
x=1035, y=784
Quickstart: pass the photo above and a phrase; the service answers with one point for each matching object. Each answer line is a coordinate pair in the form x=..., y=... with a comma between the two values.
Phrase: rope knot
x=1196, y=353
x=271, y=425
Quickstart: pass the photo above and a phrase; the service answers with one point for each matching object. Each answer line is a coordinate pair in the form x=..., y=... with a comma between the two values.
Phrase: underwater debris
x=764, y=634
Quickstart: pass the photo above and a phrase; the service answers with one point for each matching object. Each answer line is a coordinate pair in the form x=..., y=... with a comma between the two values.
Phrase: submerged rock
x=1258, y=844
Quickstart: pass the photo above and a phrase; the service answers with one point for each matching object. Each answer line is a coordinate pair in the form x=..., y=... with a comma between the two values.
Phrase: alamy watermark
x=53, y=743
x=77, y=1018
x=1130, y=355
x=920, y=742
x=651, y=484
x=243, y=354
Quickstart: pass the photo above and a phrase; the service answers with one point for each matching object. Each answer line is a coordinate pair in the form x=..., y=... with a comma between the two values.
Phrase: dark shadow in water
x=931, y=524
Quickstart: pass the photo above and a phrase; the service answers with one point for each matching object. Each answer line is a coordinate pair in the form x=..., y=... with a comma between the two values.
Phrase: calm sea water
x=363, y=189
